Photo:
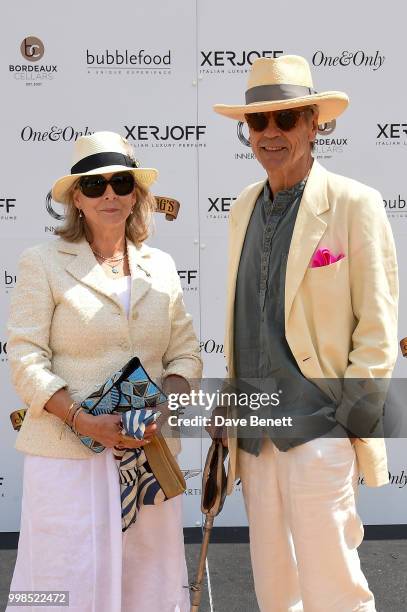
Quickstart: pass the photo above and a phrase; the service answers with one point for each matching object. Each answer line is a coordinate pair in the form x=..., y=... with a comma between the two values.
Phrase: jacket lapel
x=86, y=269
x=140, y=270
x=308, y=230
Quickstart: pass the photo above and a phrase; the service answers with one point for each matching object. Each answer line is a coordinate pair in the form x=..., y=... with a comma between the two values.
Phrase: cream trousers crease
x=71, y=540
x=304, y=528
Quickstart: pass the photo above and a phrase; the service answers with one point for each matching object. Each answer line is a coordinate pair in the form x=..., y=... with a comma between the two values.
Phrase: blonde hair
x=138, y=223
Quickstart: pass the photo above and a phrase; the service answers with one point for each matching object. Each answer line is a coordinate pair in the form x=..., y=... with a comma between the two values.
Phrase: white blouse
x=122, y=287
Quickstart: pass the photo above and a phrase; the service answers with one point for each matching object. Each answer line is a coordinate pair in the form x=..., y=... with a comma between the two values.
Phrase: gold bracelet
x=66, y=418
x=75, y=416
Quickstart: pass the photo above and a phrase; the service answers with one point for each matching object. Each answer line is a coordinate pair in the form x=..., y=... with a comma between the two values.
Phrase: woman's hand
x=106, y=429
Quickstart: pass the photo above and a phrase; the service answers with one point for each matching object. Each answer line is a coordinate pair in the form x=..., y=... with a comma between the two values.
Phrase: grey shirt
x=261, y=350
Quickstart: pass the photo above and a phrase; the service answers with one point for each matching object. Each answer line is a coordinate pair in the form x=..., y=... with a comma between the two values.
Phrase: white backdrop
x=188, y=55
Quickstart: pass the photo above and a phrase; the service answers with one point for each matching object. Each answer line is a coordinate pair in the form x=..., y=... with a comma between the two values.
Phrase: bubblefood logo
x=125, y=59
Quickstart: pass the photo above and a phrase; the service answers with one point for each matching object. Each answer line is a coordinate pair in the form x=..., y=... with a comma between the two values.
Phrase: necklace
x=106, y=260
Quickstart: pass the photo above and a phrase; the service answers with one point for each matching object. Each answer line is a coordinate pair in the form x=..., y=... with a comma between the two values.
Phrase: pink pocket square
x=324, y=257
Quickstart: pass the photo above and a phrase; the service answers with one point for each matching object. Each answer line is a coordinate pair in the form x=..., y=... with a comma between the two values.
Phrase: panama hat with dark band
x=282, y=83
x=102, y=153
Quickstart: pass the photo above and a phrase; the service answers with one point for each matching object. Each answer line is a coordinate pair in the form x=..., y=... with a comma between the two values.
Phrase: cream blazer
x=340, y=320
x=67, y=328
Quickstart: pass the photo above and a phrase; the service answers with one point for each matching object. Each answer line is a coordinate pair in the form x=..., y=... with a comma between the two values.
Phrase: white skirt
x=71, y=540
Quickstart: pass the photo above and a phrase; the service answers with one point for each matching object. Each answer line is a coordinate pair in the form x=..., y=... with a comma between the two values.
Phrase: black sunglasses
x=94, y=186
x=285, y=120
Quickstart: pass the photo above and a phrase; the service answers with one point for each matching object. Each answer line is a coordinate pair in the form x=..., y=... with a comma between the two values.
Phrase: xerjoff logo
x=187, y=279
x=219, y=207
x=214, y=62
x=7, y=209
x=130, y=62
x=391, y=134
x=32, y=49
x=349, y=58
x=166, y=135
x=395, y=207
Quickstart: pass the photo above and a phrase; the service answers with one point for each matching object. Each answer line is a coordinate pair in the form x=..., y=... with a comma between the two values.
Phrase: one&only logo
x=189, y=279
x=3, y=351
x=30, y=72
x=9, y=280
x=391, y=134
x=169, y=136
x=357, y=59
x=210, y=347
x=396, y=207
x=231, y=61
x=54, y=133
x=219, y=207
x=8, y=209
x=126, y=62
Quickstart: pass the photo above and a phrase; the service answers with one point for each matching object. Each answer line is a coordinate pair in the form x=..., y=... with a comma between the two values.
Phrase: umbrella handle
x=196, y=586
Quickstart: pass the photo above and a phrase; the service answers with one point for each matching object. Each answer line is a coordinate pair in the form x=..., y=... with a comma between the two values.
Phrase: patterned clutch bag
x=129, y=389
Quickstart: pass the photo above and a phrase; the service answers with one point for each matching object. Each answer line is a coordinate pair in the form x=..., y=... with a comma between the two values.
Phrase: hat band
x=272, y=93
x=99, y=160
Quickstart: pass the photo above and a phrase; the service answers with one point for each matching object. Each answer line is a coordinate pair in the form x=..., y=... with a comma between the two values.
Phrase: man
x=312, y=298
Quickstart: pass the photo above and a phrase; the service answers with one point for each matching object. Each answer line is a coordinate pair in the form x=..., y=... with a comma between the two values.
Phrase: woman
x=85, y=304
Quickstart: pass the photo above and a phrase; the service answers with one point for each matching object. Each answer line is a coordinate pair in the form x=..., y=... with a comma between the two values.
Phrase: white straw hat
x=102, y=153
x=285, y=82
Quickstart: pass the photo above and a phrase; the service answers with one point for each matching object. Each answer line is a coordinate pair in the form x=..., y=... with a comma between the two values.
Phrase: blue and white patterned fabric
x=138, y=485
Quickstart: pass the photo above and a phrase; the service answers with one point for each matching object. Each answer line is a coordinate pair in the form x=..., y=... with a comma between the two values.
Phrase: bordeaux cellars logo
x=55, y=133
x=391, y=134
x=325, y=146
x=123, y=61
x=235, y=62
x=8, y=209
x=189, y=279
x=219, y=207
x=358, y=59
x=185, y=136
x=32, y=50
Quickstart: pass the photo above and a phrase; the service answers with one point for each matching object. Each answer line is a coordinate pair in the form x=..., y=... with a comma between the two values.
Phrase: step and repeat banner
x=152, y=72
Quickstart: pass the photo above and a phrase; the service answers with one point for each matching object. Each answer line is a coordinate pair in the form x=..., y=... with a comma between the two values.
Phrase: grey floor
x=384, y=564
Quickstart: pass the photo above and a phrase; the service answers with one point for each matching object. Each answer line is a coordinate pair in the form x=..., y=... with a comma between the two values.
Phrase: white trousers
x=304, y=528
x=71, y=540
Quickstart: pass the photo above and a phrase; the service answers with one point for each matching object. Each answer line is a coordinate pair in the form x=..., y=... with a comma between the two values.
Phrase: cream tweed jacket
x=67, y=328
